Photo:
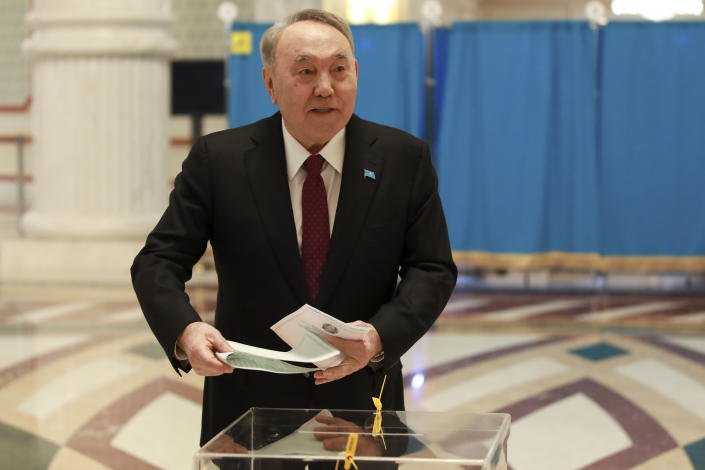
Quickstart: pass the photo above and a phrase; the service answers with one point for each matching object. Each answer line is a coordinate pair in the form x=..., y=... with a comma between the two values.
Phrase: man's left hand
x=357, y=354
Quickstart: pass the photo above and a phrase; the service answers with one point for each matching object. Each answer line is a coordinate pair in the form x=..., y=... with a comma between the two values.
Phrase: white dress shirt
x=331, y=173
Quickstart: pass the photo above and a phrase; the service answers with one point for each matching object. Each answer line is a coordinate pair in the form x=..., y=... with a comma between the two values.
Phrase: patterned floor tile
x=629, y=311
x=690, y=318
x=441, y=348
x=524, y=312
x=69, y=459
x=150, y=350
x=15, y=349
x=671, y=383
x=493, y=382
x=676, y=347
x=172, y=448
x=50, y=312
x=693, y=343
x=464, y=304
x=125, y=315
x=599, y=352
x=85, y=379
x=646, y=437
x=96, y=438
x=568, y=434
x=696, y=453
x=23, y=451
x=524, y=353
x=674, y=459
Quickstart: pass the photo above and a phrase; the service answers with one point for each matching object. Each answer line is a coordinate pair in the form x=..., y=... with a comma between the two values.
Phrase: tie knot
x=313, y=165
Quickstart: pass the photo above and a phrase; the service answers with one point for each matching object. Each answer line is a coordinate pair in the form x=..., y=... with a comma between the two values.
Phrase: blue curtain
x=248, y=100
x=390, y=84
x=546, y=138
x=516, y=145
x=391, y=81
x=652, y=165
x=441, y=40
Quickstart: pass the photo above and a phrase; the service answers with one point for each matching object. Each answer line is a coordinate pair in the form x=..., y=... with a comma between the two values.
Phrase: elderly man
x=311, y=205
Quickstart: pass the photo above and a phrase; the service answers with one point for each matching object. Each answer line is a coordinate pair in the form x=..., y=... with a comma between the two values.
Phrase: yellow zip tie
x=377, y=424
x=378, y=401
x=349, y=454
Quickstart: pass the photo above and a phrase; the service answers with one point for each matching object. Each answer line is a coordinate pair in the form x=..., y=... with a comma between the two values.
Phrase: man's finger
x=336, y=342
x=334, y=373
x=222, y=345
x=342, y=426
x=325, y=419
x=211, y=369
x=329, y=373
x=219, y=365
x=335, y=443
x=205, y=362
x=349, y=347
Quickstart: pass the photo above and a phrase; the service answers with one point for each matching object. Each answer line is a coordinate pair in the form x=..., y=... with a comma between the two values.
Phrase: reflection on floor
x=591, y=381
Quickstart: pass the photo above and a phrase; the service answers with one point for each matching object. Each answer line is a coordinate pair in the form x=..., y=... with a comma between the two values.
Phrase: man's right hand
x=199, y=341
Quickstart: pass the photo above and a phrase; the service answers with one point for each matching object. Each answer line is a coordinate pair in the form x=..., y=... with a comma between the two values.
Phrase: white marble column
x=100, y=97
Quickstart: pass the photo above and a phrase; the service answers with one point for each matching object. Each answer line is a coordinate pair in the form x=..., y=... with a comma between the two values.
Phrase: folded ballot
x=309, y=349
x=294, y=326
x=304, y=330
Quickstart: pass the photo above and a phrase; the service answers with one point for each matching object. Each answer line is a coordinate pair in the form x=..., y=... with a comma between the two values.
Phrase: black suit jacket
x=233, y=191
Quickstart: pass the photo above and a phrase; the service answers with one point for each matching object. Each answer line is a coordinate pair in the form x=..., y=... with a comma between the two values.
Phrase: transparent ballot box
x=266, y=438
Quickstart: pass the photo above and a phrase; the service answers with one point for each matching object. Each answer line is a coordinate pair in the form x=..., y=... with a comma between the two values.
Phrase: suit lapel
x=266, y=169
x=356, y=194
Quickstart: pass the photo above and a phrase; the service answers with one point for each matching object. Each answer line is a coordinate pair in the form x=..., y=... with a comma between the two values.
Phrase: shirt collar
x=296, y=154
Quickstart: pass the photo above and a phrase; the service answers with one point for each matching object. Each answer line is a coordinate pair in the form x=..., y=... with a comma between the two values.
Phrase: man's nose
x=324, y=86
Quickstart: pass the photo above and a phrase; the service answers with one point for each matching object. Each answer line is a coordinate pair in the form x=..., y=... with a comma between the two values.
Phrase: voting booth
x=265, y=438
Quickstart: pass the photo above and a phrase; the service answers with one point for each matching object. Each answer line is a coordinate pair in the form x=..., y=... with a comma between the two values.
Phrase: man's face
x=313, y=81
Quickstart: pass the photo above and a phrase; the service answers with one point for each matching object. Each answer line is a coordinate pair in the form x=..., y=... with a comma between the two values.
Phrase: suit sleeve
x=427, y=270
x=162, y=267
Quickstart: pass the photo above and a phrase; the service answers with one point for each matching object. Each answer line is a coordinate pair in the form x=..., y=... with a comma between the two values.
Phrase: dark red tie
x=315, y=231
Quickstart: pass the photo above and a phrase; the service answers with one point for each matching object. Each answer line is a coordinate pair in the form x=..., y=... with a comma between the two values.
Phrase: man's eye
x=305, y=71
x=340, y=68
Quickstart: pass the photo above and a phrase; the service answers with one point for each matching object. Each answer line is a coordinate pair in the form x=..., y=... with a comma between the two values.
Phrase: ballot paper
x=309, y=349
x=308, y=319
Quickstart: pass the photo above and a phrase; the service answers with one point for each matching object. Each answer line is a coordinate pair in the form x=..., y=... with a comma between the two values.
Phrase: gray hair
x=271, y=36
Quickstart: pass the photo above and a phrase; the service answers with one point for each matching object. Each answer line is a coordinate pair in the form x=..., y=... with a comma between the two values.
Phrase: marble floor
x=598, y=382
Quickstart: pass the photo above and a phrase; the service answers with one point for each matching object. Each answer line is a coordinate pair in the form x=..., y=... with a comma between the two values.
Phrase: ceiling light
x=657, y=10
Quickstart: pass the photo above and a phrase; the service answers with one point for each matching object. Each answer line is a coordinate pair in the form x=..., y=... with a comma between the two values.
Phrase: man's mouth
x=322, y=110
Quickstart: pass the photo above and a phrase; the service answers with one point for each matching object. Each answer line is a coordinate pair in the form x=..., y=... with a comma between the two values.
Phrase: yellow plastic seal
x=349, y=454
x=377, y=424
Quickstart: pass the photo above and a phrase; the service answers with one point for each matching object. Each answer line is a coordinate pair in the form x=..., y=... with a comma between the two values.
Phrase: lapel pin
x=370, y=174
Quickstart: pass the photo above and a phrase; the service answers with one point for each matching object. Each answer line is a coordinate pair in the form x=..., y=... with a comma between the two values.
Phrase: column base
x=67, y=261
x=37, y=224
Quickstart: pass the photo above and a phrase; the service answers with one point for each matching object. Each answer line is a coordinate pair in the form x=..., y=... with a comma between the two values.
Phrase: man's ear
x=269, y=83
x=356, y=75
